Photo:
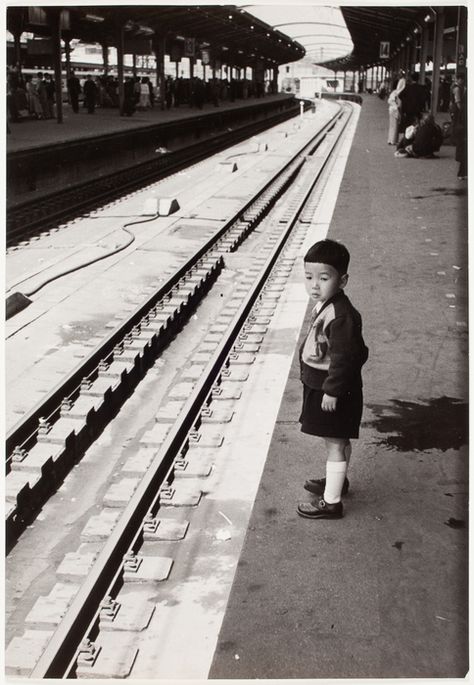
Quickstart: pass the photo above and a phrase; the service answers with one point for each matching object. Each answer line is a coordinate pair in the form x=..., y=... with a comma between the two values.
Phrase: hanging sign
x=176, y=52
x=384, y=49
x=39, y=46
x=37, y=16
x=65, y=20
x=137, y=46
x=189, y=47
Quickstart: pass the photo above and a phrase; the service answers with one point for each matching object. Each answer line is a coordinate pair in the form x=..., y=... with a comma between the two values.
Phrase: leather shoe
x=317, y=486
x=323, y=510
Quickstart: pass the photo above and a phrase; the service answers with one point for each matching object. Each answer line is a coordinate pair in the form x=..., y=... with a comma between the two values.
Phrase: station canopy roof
x=320, y=29
x=348, y=37
x=369, y=26
x=231, y=34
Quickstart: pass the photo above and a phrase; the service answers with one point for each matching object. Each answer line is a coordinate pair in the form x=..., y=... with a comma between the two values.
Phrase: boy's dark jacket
x=333, y=353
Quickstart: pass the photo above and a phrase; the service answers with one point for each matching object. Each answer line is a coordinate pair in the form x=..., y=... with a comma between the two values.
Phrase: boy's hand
x=328, y=403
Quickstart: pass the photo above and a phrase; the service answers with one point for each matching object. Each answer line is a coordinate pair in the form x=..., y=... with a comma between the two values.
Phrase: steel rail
x=24, y=430
x=59, y=657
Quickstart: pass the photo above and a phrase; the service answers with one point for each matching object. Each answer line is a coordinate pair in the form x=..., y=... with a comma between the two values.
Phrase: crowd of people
x=34, y=95
x=30, y=95
x=413, y=128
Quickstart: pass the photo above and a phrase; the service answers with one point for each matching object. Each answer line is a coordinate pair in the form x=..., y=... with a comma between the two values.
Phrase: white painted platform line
x=322, y=218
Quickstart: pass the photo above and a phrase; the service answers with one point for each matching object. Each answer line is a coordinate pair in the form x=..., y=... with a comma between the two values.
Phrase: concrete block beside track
x=156, y=436
x=77, y=564
x=134, y=613
x=100, y=527
x=166, y=529
x=185, y=494
x=48, y=611
x=115, y=658
x=169, y=412
x=138, y=464
x=149, y=569
x=23, y=653
x=119, y=494
x=193, y=468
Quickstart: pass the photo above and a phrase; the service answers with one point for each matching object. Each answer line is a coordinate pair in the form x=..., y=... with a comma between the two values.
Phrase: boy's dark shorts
x=343, y=423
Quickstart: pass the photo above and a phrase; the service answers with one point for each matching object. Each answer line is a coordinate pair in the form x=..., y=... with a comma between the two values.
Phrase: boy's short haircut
x=329, y=252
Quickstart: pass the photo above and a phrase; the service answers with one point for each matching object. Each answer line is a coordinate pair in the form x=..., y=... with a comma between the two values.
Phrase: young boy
x=331, y=359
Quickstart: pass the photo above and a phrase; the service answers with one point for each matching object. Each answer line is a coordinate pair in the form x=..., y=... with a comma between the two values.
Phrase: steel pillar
x=54, y=16
x=120, y=51
x=425, y=35
x=105, y=57
x=461, y=42
x=437, y=57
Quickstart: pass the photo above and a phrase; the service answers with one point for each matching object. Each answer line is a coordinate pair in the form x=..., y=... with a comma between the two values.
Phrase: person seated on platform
x=331, y=359
x=424, y=140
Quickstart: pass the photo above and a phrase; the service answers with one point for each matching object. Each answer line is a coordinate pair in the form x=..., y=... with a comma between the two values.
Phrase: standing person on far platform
x=331, y=359
x=74, y=89
x=90, y=94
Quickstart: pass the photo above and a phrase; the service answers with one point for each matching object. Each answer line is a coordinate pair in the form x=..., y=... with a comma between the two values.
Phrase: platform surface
x=381, y=593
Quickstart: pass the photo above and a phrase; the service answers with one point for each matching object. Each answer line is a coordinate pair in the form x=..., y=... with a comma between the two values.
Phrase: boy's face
x=322, y=281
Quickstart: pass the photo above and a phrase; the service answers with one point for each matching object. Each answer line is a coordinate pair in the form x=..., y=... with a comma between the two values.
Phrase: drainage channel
x=75, y=649
x=54, y=435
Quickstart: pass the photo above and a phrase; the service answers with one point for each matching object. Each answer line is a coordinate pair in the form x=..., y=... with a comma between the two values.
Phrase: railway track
x=56, y=433
x=27, y=219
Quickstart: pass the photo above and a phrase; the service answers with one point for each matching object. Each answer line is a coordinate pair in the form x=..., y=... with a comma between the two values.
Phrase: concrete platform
x=381, y=593
x=33, y=134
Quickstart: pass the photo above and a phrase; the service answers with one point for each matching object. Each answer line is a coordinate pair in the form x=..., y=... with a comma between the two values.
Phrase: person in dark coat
x=50, y=94
x=129, y=97
x=414, y=100
x=90, y=94
x=74, y=89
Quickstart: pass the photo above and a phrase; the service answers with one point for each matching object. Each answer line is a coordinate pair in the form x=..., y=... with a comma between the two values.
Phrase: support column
x=17, y=49
x=134, y=65
x=437, y=57
x=425, y=35
x=412, y=54
x=159, y=48
x=120, y=51
x=67, y=52
x=461, y=42
x=407, y=58
x=54, y=20
x=105, y=57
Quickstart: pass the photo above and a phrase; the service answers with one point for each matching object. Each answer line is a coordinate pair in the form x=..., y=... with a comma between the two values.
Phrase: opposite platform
x=381, y=593
x=33, y=134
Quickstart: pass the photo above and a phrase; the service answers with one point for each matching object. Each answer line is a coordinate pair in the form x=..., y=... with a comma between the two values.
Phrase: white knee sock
x=335, y=474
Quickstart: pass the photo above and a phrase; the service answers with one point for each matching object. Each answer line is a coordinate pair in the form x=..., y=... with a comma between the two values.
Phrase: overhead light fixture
x=428, y=18
x=95, y=18
x=252, y=27
x=230, y=16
